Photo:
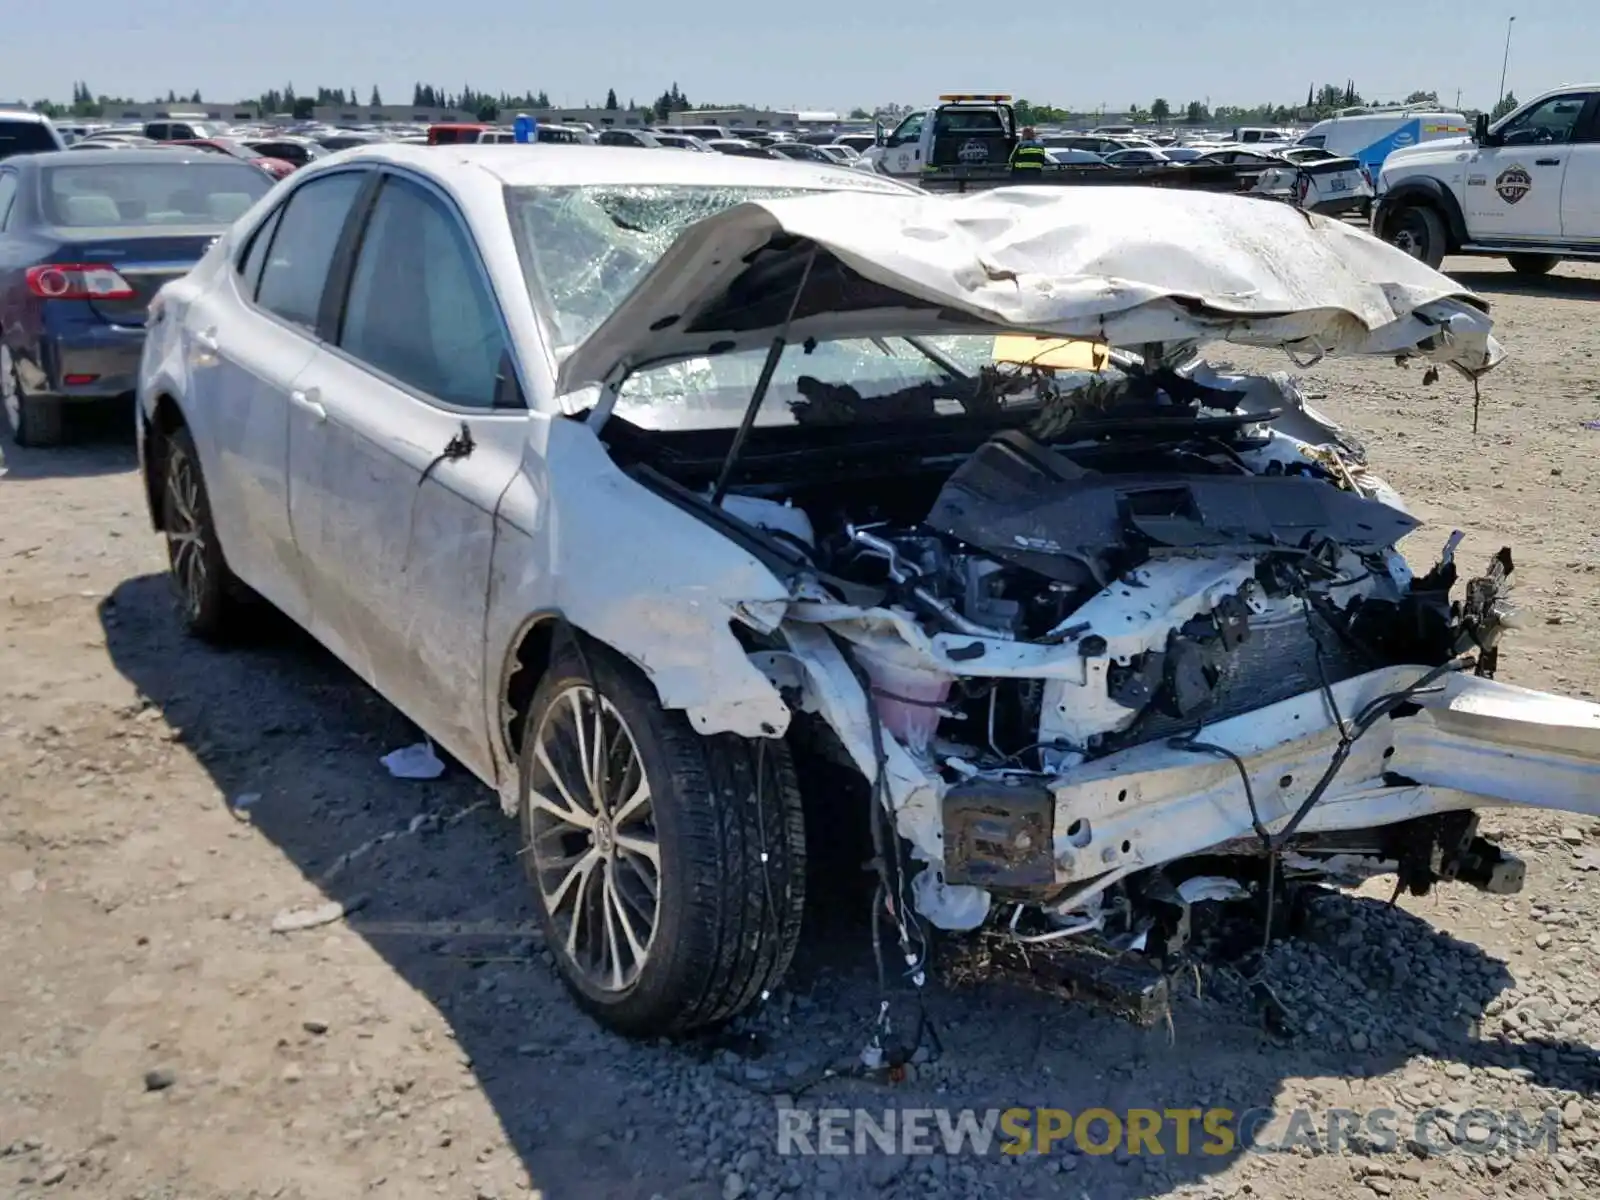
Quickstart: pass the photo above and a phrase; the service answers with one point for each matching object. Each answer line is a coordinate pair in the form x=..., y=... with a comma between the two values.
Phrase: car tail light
x=78, y=281
x=1367, y=175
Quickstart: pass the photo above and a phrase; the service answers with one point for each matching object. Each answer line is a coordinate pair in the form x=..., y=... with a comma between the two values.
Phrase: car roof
x=26, y=115
x=123, y=158
x=533, y=165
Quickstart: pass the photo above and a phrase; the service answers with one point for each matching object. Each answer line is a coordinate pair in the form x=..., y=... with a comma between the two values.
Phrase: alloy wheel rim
x=592, y=837
x=186, y=542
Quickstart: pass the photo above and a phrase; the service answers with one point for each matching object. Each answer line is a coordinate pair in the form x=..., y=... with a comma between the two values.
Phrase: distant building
x=754, y=118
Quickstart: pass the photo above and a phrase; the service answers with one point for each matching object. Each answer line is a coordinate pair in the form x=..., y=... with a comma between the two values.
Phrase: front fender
x=577, y=536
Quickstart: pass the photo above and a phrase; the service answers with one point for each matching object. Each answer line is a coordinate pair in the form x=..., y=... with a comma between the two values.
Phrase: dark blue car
x=87, y=238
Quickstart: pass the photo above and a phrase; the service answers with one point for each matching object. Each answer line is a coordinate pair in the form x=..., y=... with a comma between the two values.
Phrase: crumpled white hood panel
x=1129, y=265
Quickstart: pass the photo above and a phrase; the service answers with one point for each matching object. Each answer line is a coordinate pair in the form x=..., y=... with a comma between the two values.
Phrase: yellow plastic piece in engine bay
x=1053, y=354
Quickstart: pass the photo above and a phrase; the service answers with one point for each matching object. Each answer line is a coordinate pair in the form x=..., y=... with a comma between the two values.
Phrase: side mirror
x=1480, y=129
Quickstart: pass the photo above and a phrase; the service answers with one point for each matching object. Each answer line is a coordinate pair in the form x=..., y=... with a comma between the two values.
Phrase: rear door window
x=296, y=268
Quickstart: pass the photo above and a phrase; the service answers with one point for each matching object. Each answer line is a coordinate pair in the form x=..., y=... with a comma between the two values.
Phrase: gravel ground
x=162, y=804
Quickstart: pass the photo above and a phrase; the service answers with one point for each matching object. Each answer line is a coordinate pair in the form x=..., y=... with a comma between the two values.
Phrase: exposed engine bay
x=1070, y=635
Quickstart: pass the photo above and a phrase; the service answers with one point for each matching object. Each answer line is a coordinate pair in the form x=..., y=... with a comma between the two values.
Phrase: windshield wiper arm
x=938, y=359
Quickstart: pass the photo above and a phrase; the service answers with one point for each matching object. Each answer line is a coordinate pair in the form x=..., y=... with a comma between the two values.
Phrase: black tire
x=209, y=596
x=730, y=884
x=1533, y=264
x=34, y=420
x=1419, y=230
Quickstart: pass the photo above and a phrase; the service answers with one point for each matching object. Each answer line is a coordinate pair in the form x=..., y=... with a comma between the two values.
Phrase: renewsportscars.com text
x=1150, y=1131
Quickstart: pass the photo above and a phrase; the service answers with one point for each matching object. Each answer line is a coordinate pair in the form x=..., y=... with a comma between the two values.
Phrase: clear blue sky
x=812, y=54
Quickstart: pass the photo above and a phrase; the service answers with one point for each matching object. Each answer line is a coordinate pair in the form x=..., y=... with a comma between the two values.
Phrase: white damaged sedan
x=636, y=480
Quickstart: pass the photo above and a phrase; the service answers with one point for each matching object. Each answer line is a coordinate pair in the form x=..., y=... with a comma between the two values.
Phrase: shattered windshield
x=585, y=247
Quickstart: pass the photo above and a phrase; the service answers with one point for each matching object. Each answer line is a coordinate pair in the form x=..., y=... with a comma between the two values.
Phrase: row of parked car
x=829, y=149
x=742, y=143
x=1311, y=177
x=276, y=153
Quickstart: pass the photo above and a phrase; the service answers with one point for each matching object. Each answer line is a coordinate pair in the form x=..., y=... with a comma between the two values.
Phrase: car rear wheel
x=34, y=420
x=1532, y=264
x=1419, y=231
x=668, y=869
x=209, y=597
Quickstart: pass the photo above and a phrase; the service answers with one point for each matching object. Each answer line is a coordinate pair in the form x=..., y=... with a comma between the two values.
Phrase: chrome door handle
x=309, y=399
x=206, y=339
x=1547, y=162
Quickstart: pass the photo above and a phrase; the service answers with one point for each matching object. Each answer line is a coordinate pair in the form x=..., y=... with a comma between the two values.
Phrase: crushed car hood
x=1126, y=265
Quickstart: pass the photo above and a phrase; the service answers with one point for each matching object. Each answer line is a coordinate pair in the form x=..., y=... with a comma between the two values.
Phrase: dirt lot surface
x=161, y=804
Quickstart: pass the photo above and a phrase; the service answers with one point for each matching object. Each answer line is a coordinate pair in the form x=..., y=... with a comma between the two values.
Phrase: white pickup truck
x=1527, y=187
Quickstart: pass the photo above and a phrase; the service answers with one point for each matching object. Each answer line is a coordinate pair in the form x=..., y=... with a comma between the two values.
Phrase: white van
x=1368, y=135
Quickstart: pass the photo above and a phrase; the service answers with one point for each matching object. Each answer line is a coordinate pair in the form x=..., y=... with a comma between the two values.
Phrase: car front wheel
x=668, y=868
x=1419, y=231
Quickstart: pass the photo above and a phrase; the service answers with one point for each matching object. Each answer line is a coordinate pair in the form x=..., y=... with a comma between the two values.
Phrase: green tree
x=1508, y=103
x=1195, y=113
x=1421, y=97
x=1160, y=110
x=669, y=102
x=376, y=101
x=860, y=114
x=611, y=99
x=303, y=108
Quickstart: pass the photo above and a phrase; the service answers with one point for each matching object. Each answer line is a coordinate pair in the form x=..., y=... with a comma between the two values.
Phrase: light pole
x=1501, y=95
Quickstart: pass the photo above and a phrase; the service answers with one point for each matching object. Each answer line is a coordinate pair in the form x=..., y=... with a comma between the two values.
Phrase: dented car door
x=415, y=430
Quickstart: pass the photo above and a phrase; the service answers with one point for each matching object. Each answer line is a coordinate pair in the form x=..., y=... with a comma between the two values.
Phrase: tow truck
x=964, y=143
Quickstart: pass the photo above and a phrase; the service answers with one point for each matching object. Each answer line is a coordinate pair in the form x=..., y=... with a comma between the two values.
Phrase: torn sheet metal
x=1127, y=266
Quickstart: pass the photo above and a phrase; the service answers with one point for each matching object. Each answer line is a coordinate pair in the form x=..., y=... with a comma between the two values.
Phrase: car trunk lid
x=147, y=261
